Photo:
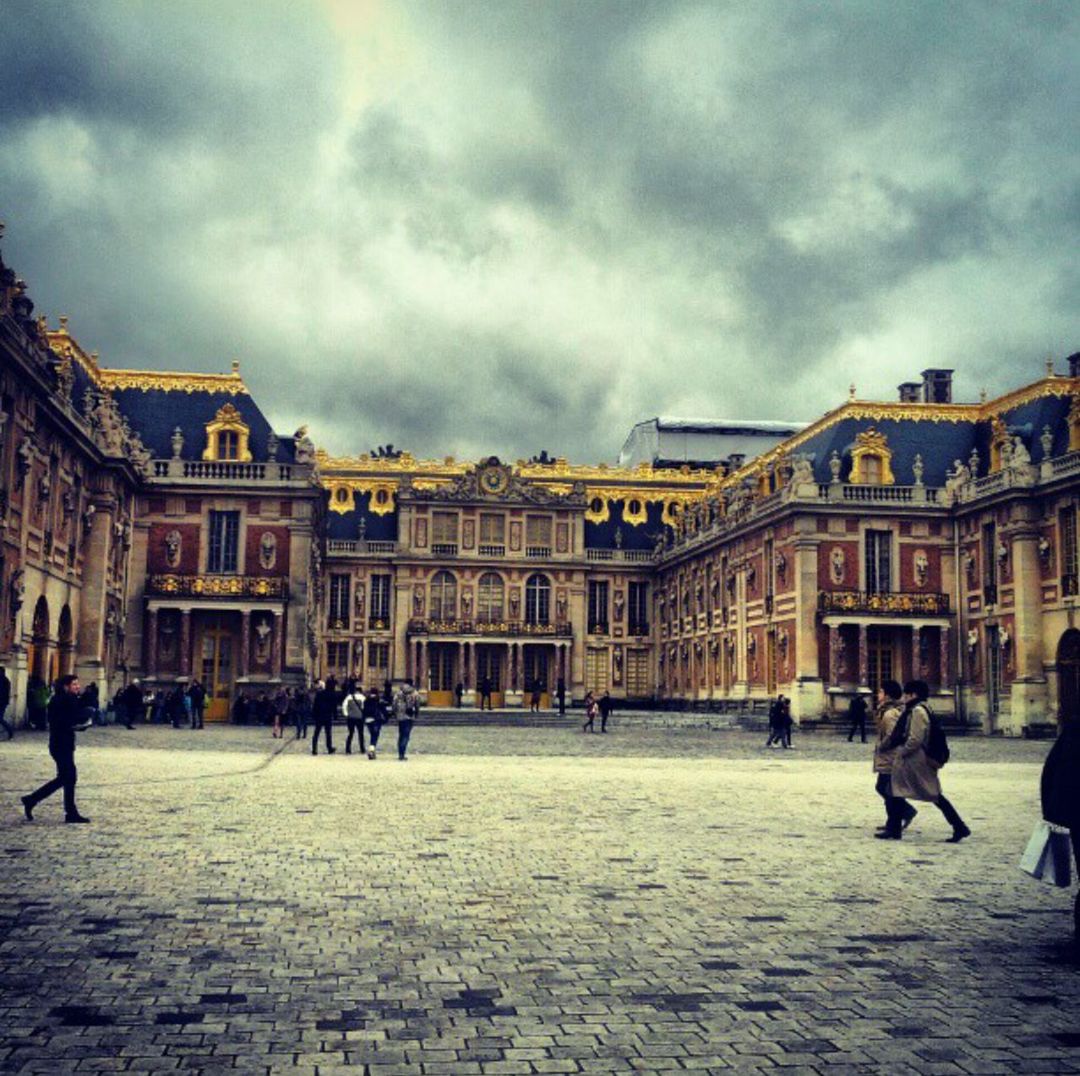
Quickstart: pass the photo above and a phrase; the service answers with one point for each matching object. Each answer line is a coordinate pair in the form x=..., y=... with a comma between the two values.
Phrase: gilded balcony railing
x=857, y=601
x=217, y=586
x=426, y=626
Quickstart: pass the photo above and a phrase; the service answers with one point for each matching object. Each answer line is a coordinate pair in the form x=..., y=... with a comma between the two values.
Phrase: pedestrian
x=459, y=690
x=607, y=708
x=37, y=702
x=1060, y=790
x=281, y=711
x=590, y=712
x=889, y=708
x=323, y=707
x=534, y=698
x=776, y=722
x=160, y=700
x=174, y=708
x=189, y=710
x=130, y=704
x=373, y=719
x=407, y=710
x=857, y=717
x=560, y=694
x=300, y=704
x=5, y=701
x=264, y=711
x=91, y=704
x=197, y=693
x=914, y=771
x=354, y=719
x=485, y=692
x=66, y=717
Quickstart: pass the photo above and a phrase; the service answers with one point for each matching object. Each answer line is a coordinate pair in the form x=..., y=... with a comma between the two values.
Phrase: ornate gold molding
x=227, y=421
x=871, y=444
x=343, y=494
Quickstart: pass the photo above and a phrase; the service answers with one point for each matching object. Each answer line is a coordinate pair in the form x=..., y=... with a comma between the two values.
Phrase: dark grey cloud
x=478, y=228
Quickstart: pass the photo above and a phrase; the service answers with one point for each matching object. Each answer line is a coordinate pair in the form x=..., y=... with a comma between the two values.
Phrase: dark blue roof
x=643, y=536
x=346, y=525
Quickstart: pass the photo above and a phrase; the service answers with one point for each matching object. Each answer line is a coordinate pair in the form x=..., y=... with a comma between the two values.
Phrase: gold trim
x=228, y=420
x=871, y=443
x=352, y=486
x=601, y=514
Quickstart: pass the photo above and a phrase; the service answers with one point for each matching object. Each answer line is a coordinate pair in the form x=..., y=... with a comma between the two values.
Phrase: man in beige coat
x=889, y=709
x=914, y=772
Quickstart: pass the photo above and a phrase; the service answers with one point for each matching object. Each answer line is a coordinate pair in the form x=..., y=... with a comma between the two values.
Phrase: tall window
x=878, y=562
x=598, y=606
x=339, y=601
x=989, y=563
x=337, y=658
x=489, y=598
x=638, y=608
x=538, y=536
x=224, y=548
x=444, y=528
x=1067, y=537
x=769, y=570
x=537, y=600
x=228, y=445
x=378, y=657
x=492, y=528
x=379, y=610
x=443, y=596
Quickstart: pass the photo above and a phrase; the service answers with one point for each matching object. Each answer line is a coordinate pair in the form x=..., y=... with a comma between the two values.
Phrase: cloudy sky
x=471, y=228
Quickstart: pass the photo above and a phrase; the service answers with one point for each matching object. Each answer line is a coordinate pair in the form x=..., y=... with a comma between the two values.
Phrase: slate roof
x=346, y=525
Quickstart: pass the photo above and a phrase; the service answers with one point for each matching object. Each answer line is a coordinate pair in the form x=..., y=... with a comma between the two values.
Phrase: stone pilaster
x=1029, y=696
x=97, y=550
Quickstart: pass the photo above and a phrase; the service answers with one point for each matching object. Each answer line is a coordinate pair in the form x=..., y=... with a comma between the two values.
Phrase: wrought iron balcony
x=217, y=586
x=427, y=626
x=861, y=602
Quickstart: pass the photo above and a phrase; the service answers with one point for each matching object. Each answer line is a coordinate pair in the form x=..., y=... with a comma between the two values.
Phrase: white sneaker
x=371, y=752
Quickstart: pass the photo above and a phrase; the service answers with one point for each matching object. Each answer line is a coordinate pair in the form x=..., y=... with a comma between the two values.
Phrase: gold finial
x=851, y=391
x=236, y=367
x=63, y=323
x=982, y=396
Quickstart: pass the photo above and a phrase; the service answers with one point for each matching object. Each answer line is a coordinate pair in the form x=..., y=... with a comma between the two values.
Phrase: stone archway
x=38, y=662
x=65, y=638
x=1068, y=670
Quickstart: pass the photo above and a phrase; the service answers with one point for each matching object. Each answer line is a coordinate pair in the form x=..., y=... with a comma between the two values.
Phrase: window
x=637, y=672
x=444, y=527
x=770, y=581
x=537, y=600
x=228, y=445
x=989, y=563
x=597, y=678
x=492, y=528
x=337, y=658
x=871, y=470
x=1067, y=531
x=538, y=536
x=379, y=612
x=598, y=606
x=878, y=562
x=489, y=598
x=443, y=596
x=378, y=656
x=224, y=543
x=638, y=609
x=339, y=602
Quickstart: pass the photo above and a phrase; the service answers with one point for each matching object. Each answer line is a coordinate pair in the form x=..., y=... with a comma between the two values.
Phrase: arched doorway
x=65, y=638
x=1068, y=669
x=38, y=658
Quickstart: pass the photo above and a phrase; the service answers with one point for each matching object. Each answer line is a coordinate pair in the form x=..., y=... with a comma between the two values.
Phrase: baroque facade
x=154, y=525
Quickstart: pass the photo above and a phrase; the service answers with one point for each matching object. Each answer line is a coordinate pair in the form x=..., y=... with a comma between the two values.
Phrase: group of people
x=779, y=722
x=602, y=707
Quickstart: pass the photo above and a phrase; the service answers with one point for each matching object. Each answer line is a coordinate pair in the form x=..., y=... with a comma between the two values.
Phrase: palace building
x=155, y=525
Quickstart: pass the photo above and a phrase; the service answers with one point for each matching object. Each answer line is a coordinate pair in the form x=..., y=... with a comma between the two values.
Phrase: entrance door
x=770, y=663
x=1068, y=668
x=217, y=651
x=637, y=673
x=881, y=661
x=993, y=673
x=597, y=678
x=535, y=660
x=489, y=664
x=441, y=674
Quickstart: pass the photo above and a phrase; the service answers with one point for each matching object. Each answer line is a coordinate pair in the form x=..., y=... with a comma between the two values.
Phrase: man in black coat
x=5, y=699
x=65, y=719
x=1060, y=788
x=857, y=716
x=322, y=715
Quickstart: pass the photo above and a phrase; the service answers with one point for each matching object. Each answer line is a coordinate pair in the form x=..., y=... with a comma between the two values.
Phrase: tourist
x=898, y=812
x=91, y=704
x=373, y=718
x=857, y=718
x=914, y=772
x=591, y=710
x=5, y=700
x=459, y=690
x=323, y=708
x=280, y=706
x=354, y=719
x=776, y=723
x=786, y=723
x=197, y=694
x=66, y=717
x=1060, y=788
x=607, y=708
x=560, y=694
x=241, y=709
x=534, y=698
x=485, y=692
x=300, y=708
x=406, y=710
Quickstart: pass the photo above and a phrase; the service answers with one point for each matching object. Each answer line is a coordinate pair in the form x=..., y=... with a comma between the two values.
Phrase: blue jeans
x=404, y=731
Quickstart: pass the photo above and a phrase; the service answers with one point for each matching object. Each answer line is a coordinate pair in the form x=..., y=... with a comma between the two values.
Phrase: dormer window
x=871, y=460
x=227, y=437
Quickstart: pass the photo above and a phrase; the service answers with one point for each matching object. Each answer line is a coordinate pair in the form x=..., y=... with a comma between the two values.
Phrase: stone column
x=242, y=666
x=943, y=658
x=807, y=690
x=834, y=655
x=917, y=671
x=151, y=641
x=97, y=551
x=1029, y=694
x=185, y=642
x=864, y=658
x=276, y=640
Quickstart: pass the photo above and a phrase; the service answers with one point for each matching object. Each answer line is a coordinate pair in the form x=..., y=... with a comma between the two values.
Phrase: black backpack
x=937, y=745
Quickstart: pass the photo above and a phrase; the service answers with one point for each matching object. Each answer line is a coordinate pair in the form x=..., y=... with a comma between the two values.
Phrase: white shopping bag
x=1047, y=855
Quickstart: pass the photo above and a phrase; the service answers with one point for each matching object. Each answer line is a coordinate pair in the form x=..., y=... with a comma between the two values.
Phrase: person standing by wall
x=66, y=717
x=5, y=701
x=857, y=718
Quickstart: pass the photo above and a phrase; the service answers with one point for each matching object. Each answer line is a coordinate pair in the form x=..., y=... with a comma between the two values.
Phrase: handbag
x=1048, y=855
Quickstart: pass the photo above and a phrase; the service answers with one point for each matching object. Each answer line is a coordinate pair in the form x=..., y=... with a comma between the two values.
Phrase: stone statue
x=619, y=604
x=262, y=638
x=268, y=550
x=837, y=564
x=358, y=598
x=173, y=541
x=917, y=469
x=304, y=450
x=1047, y=441
x=271, y=446
x=560, y=607
x=418, y=599
x=466, y=604
x=1020, y=455
x=802, y=471
x=921, y=566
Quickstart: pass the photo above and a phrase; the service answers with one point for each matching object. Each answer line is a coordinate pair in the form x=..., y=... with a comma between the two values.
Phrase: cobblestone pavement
x=523, y=901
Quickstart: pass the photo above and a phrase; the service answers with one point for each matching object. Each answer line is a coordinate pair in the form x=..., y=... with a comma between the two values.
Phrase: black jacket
x=324, y=705
x=5, y=693
x=65, y=713
x=1061, y=779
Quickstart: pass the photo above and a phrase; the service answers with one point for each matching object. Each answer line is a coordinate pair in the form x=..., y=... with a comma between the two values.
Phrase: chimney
x=910, y=392
x=736, y=460
x=937, y=386
x=1074, y=365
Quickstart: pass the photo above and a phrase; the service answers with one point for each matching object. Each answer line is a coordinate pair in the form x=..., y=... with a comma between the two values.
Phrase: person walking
x=354, y=719
x=197, y=693
x=129, y=704
x=459, y=690
x=407, y=710
x=373, y=718
x=281, y=711
x=914, y=771
x=66, y=717
x=776, y=722
x=5, y=701
x=300, y=706
x=323, y=707
x=560, y=694
x=485, y=692
x=889, y=708
x=590, y=713
x=857, y=718
x=1060, y=792
x=786, y=722
x=607, y=708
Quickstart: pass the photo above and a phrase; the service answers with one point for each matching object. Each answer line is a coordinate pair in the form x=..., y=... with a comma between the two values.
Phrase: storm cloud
x=479, y=228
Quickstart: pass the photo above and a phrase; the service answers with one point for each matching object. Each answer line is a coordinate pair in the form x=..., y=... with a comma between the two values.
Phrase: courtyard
x=529, y=900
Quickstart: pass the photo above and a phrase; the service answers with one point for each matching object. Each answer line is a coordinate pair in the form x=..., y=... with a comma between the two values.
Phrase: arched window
x=537, y=600
x=489, y=598
x=443, y=596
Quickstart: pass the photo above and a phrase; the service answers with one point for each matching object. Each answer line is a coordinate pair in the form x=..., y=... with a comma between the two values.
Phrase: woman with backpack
x=920, y=752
